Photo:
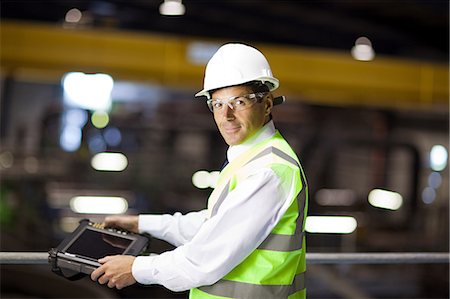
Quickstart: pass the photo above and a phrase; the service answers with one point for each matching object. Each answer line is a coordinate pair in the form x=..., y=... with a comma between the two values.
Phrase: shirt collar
x=267, y=131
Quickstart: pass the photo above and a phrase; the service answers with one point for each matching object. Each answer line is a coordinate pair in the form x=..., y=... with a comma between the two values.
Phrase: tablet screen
x=95, y=244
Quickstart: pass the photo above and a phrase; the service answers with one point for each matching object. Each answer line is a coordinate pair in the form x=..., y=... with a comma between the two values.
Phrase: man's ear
x=268, y=104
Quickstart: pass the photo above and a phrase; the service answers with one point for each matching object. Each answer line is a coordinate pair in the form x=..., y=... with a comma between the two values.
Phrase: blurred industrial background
x=97, y=102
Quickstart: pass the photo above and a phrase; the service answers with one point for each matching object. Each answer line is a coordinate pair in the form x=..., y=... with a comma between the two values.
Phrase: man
x=249, y=242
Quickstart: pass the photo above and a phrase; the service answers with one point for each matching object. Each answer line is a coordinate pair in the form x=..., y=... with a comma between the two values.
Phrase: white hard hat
x=235, y=64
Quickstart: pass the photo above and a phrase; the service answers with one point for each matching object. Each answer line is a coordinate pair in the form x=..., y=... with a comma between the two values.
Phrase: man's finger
x=97, y=273
x=105, y=259
x=111, y=283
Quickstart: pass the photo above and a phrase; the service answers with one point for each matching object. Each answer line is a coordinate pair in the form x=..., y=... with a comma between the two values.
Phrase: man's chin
x=232, y=140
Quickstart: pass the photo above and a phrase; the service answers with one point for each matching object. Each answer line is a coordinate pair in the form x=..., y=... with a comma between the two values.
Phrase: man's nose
x=228, y=110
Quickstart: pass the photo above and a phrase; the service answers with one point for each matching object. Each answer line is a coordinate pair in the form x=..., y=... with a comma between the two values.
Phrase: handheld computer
x=77, y=255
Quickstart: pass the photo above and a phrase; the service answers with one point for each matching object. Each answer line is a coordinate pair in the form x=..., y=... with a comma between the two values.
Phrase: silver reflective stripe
x=301, y=197
x=267, y=151
x=244, y=290
x=221, y=198
x=274, y=242
x=285, y=156
x=278, y=242
x=277, y=152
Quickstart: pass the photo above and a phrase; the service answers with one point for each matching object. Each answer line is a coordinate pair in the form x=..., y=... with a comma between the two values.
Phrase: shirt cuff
x=143, y=271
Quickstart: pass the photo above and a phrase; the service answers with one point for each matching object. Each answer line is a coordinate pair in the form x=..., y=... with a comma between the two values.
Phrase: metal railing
x=27, y=258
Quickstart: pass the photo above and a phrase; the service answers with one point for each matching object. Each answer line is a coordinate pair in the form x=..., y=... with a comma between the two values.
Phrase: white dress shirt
x=207, y=249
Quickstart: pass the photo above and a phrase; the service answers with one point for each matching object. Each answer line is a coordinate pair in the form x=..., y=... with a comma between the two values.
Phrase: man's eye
x=217, y=105
x=240, y=103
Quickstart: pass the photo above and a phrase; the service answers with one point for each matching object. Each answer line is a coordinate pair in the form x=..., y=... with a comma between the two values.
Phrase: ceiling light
x=385, y=199
x=438, y=157
x=330, y=224
x=73, y=16
x=99, y=204
x=200, y=179
x=203, y=179
x=172, y=8
x=88, y=91
x=363, y=50
x=109, y=162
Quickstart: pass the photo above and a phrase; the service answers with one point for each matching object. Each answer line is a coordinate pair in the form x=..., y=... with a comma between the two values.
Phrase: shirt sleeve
x=243, y=221
x=177, y=229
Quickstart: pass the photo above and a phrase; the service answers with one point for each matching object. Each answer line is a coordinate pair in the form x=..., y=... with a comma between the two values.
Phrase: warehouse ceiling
x=403, y=29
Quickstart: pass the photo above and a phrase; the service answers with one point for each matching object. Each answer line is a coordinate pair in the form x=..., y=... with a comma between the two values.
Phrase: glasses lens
x=238, y=103
x=242, y=103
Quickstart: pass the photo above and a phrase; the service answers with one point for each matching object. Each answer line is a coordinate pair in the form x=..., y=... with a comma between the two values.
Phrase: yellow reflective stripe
x=244, y=290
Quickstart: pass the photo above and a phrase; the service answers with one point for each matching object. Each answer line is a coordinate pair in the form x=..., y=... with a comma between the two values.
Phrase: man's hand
x=129, y=223
x=115, y=271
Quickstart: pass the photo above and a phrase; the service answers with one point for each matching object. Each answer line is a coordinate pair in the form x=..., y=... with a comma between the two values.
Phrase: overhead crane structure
x=40, y=51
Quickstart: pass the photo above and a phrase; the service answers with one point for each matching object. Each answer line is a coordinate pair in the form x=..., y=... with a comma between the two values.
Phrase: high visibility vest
x=276, y=268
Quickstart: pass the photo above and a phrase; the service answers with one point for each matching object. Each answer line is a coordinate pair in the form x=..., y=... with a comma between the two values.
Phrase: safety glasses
x=237, y=103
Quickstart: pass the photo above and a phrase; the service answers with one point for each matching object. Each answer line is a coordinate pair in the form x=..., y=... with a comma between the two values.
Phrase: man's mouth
x=231, y=128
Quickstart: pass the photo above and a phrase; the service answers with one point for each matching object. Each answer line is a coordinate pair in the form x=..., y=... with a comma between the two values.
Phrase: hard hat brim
x=273, y=84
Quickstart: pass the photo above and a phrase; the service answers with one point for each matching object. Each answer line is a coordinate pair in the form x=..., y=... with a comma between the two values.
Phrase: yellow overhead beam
x=315, y=76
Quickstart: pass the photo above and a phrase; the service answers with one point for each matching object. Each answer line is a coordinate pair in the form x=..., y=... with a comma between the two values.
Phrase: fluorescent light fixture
x=88, y=91
x=109, y=162
x=330, y=224
x=200, y=179
x=438, y=157
x=172, y=8
x=203, y=179
x=385, y=199
x=99, y=204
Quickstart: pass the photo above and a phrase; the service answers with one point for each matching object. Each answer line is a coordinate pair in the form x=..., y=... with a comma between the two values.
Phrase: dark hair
x=257, y=86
